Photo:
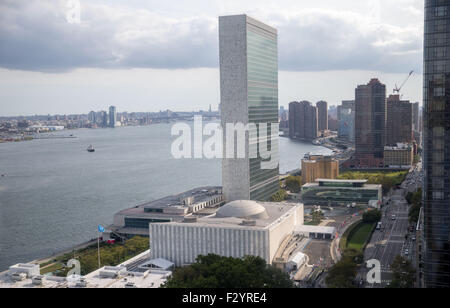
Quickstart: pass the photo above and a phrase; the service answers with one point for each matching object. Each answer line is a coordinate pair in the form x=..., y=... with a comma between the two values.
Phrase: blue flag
x=100, y=228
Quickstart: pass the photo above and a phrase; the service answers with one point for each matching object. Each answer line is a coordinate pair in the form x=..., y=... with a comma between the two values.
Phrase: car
x=413, y=238
x=393, y=217
x=406, y=252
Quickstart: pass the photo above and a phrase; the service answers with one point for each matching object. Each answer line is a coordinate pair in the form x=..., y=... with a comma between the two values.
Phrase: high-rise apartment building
x=346, y=121
x=112, y=116
x=249, y=95
x=436, y=145
x=399, y=117
x=322, y=115
x=303, y=121
x=370, y=124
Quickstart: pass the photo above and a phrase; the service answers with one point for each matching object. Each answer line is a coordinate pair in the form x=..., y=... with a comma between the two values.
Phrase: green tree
x=279, y=196
x=342, y=274
x=317, y=216
x=213, y=271
x=372, y=216
x=294, y=183
x=403, y=273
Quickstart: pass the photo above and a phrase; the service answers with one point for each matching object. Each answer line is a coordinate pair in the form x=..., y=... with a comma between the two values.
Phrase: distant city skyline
x=135, y=63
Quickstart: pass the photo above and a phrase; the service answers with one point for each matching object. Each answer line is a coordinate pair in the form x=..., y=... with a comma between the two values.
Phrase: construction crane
x=397, y=89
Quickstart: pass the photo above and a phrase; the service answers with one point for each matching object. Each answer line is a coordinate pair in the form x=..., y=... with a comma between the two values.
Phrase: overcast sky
x=148, y=55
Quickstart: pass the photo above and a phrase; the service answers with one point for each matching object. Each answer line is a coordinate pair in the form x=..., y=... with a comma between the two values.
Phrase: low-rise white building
x=239, y=228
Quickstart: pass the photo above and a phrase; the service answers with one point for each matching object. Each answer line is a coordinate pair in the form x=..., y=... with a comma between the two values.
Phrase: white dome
x=243, y=209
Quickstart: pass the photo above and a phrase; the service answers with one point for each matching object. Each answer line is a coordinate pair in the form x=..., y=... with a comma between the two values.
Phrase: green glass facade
x=328, y=195
x=262, y=100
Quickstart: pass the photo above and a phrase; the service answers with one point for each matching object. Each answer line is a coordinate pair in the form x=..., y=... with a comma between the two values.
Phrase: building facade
x=112, y=116
x=303, y=121
x=340, y=192
x=436, y=144
x=370, y=124
x=319, y=167
x=133, y=221
x=346, y=121
x=249, y=95
x=399, y=156
x=238, y=229
x=322, y=115
x=399, y=121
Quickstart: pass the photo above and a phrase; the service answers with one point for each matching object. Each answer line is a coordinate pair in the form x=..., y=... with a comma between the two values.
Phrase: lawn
x=387, y=179
x=52, y=268
x=359, y=236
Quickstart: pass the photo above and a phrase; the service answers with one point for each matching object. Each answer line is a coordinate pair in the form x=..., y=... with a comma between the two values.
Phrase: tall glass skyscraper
x=436, y=144
x=112, y=116
x=249, y=95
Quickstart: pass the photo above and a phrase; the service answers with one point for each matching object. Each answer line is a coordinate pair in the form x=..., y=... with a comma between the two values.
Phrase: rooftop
x=173, y=201
x=341, y=181
x=274, y=210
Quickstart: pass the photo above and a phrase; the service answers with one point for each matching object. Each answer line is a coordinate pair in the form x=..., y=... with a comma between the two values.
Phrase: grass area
x=360, y=236
x=312, y=223
x=387, y=178
x=109, y=255
x=52, y=268
x=356, y=236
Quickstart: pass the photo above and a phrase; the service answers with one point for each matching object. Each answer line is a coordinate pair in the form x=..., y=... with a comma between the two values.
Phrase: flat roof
x=366, y=186
x=275, y=211
x=341, y=181
x=314, y=229
x=200, y=195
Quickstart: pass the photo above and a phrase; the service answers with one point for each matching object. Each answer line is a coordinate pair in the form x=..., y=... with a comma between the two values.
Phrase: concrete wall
x=279, y=230
x=233, y=97
x=182, y=243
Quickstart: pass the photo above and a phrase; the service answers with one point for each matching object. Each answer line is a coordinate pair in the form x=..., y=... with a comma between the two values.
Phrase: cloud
x=35, y=35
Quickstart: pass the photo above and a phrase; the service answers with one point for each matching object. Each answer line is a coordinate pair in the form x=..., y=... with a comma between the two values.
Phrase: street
x=394, y=237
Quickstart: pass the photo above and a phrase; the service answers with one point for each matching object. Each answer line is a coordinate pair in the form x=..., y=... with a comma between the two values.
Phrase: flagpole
x=98, y=249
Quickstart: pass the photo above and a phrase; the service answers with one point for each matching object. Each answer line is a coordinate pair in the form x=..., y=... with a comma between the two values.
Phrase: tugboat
x=90, y=148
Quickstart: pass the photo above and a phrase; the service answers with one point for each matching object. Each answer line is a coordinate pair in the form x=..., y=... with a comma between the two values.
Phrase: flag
x=100, y=228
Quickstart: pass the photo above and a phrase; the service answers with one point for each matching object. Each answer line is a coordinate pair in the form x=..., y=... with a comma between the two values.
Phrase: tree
x=403, y=273
x=372, y=216
x=415, y=199
x=342, y=274
x=213, y=271
x=317, y=216
x=294, y=183
x=279, y=196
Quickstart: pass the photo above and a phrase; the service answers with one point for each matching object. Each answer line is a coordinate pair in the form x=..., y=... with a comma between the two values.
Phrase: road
x=394, y=237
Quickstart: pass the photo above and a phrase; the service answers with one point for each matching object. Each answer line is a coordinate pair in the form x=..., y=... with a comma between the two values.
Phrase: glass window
x=438, y=195
x=440, y=11
x=439, y=91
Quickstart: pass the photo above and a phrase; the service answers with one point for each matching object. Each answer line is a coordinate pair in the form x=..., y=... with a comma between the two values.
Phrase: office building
x=370, y=124
x=112, y=116
x=319, y=166
x=249, y=95
x=322, y=115
x=415, y=117
x=436, y=144
x=399, y=118
x=303, y=121
x=239, y=228
x=341, y=192
x=92, y=117
x=346, y=121
x=201, y=201
x=104, y=118
x=400, y=156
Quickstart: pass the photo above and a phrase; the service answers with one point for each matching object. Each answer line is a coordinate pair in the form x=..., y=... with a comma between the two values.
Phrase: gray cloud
x=35, y=35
